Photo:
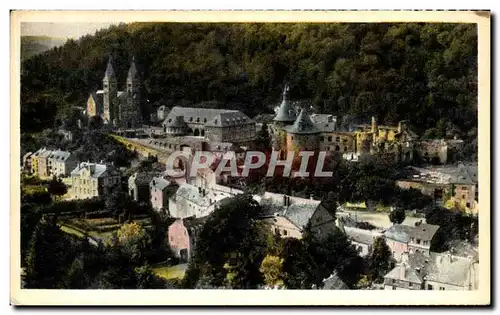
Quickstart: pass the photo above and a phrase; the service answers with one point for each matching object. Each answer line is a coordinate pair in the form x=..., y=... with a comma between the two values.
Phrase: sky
x=64, y=30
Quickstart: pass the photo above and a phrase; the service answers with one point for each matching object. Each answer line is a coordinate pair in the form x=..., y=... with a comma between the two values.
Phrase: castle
x=121, y=109
x=324, y=132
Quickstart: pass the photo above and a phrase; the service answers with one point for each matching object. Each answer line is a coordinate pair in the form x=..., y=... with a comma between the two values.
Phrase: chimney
x=402, y=271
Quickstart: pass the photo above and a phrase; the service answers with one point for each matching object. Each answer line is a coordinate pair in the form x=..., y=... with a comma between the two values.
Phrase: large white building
x=90, y=180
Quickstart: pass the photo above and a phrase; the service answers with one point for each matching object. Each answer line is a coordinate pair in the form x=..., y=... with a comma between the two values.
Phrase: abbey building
x=120, y=109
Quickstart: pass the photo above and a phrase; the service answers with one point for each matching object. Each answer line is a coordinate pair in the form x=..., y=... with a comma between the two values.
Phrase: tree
x=230, y=246
x=263, y=141
x=272, y=270
x=397, y=215
x=47, y=256
x=56, y=187
x=379, y=260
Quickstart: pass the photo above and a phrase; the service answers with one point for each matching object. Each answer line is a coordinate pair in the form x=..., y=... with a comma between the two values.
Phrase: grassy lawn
x=71, y=230
x=171, y=272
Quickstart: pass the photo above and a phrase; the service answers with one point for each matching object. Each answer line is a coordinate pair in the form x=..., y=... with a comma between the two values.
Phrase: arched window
x=198, y=119
x=205, y=120
x=337, y=148
x=337, y=139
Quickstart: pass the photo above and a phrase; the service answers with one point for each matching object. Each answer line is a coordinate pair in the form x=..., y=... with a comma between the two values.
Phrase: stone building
x=43, y=163
x=117, y=108
x=138, y=185
x=362, y=239
x=436, y=271
x=330, y=133
x=413, y=239
x=219, y=125
x=288, y=215
x=90, y=180
x=61, y=163
x=161, y=189
x=182, y=236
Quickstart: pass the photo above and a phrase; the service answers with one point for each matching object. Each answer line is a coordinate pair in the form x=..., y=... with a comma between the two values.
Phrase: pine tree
x=380, y=260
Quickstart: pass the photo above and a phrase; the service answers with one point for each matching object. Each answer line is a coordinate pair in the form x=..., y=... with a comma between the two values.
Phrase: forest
x=426, y=73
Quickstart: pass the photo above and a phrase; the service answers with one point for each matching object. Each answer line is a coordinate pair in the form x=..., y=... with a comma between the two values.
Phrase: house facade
x=436, y=271
x=90, y=180
x=61, y=163
x=362, y=239
x=182, y=236
x=410, y=239
x=161, y=189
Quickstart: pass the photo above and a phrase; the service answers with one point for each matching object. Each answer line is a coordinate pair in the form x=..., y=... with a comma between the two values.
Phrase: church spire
x=132, y=72
x=285, y=113
x=110, y=73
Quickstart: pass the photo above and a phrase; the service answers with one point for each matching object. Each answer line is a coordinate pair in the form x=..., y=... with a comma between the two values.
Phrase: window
x=322, y=139
x=463, y=196
x=393, y=281
x=337, y=139
x=329, y=139
x=394, y=288
x=285, y=232
x=467, y=204
x=429, y=287
x=418, y=241
x=441, y=289
x=277, y=231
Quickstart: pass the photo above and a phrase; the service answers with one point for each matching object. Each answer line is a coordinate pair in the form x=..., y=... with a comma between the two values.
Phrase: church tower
x=110, y=88
x=130, y=110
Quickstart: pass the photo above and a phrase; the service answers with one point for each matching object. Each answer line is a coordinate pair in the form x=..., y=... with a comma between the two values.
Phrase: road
x=379, y=219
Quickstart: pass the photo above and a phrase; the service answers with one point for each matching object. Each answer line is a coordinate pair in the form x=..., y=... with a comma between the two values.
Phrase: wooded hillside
x=426, y=73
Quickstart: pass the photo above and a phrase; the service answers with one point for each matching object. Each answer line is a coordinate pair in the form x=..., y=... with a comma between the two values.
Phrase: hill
x=32, y=45
x=426, y=73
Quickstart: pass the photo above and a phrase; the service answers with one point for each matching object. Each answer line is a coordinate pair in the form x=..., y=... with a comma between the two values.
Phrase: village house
x=161, y=189
x=43, y=163
x=456, y=183
x=288, y=215
x=90, y=180
x=362, y=239
x=436, y=271
x=61, y=163
x=404, y=277
x=334, y=282
x=182, y=236
x=413, y=239
x=26, y=162
x=139, y=185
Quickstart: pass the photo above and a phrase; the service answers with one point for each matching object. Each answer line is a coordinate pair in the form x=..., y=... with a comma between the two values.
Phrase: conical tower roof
x=132, y=72
x=303, y=125
x=110, y=73
x=285, y=112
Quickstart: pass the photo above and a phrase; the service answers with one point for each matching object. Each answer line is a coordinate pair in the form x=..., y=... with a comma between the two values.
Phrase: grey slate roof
x=177, y=122
x=443, y=267
x=45, y=154
x=286, y=112
x=423, y=231
x=410, y=274
x=325, y=122
x=191, y=193
x=159, y=183
x=360, y=235
x=110, y=73
x=334, y=283
x=303, y=125
x=398, y=232
x=208, y=116
x=99, y=170
x=59, y=155
x=300, y=214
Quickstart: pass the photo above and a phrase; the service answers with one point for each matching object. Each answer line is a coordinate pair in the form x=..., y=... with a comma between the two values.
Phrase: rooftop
x=361, y=236
x=303, y=125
